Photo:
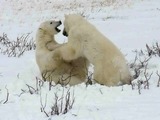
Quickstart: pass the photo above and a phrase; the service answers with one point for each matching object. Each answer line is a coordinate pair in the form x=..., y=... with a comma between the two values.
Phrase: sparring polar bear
x=52, y=68
x=84, y=40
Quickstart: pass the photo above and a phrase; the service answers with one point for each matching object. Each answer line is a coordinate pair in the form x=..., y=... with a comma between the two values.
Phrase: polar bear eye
x=50, y=22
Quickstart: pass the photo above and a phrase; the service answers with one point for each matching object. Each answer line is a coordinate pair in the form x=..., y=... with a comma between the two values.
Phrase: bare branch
x=147, y=78
x=31, y=89
x=137, y=73
x=144, y=62
x=37, y=88
x=7, y=97
x=158, y=49
x=133, y=85
x=158, y=84
x=139, y=84
x=23, y=91
x=43, y=106
x=89, y=79
x=149, y=50
x=55, y=108
x=39, y=84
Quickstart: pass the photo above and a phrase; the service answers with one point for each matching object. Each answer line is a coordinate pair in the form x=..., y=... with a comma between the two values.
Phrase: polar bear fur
x=52, y=68
x=84, y=40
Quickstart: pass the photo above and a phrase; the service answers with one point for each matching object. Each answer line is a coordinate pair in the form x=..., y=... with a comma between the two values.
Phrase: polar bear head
x=50, y=27
x=71, y=21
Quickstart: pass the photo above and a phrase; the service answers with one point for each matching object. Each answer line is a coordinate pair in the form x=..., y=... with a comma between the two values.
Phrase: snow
x=129, y=25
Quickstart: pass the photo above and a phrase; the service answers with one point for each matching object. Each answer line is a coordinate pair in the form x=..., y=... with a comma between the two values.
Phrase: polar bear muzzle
x=58, y=24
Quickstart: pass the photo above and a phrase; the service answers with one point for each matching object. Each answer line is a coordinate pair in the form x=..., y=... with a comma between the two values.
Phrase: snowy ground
x=130, y=25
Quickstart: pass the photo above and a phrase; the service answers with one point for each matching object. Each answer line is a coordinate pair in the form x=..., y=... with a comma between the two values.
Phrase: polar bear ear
x=40, y=28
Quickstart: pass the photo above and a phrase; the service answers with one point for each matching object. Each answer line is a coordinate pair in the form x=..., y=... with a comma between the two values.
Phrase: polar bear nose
x=65, y=33
x=60, y=22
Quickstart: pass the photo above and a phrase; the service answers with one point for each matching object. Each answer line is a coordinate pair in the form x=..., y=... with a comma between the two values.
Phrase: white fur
x=85, y=40
x=51, y=67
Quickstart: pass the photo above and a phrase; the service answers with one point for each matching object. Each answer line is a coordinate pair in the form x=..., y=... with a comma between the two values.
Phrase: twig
x=39, y=84
x=140, y=82
x=31, y=89
x=55, y=108
x=23, y=91
x=144, y=62
x=150, y=51
x=43, y=106
x=47, y=75
x=158, y=84
x=89, y=79
x=7, y=96
x=147, y=78
x=64, y=105
x=65, y=81
x=61, y=106
x=137, y=73
x=158, y=49
x=133, y=85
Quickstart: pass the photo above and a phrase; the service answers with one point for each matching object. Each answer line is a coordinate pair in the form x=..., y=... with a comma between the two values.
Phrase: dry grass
x=61, y=104
x=142, y=73
x=16, y=48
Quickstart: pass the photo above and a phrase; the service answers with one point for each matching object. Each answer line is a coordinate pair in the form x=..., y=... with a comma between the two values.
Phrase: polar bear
x=52, y=68
x=84, y=40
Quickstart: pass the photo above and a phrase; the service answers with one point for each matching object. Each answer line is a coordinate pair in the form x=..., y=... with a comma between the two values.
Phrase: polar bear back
x=84, y=39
